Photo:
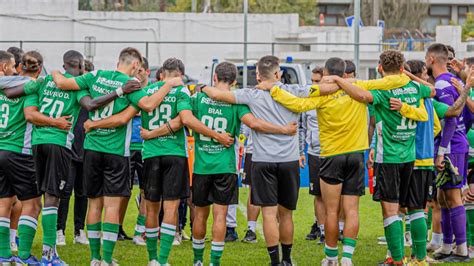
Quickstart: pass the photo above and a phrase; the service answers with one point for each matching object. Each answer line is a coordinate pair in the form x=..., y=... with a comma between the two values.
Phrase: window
x=372, y=73
x=462, y=13
x=289, y=76
x=440, y=11
x=438, y=15
x=334, y=15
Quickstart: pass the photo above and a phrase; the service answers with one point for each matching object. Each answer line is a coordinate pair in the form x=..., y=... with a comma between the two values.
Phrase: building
x=441, y=12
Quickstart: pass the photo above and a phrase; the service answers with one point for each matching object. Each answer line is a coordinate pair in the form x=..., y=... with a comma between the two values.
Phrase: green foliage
x=468, y=27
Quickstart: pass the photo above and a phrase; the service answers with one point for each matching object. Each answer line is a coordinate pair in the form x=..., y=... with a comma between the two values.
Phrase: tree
x=468, y=27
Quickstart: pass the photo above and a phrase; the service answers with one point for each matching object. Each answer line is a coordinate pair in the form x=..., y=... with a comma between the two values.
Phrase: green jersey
x=210, y=156
x=440, y=108
x=395, y=141
x=177, y=100
x=54, y=102
x=108, y=140
x=15, y=132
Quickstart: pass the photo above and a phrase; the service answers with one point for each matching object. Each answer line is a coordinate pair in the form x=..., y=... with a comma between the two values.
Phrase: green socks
x=430, y=218
x=470, y=219
x=419, y=233
x=393, y=228
x=198, y=249
x=93, y=233
x=5, y=251
x=331, y=252
x=49, y=221
x=152, y=243
x=109, y=237
x=348, y=247
x=140, y=226
x=26, y=233
x=166, y=241
x=217, y=249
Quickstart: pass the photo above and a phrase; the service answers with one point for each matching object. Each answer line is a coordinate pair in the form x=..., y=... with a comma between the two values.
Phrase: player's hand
x=370, y=160
x=64, y=122
x=225, y=139
x=131, y=86
x=302, y=161
x=175, y=82
x=88, y=125
x=457, y=65
x=457, y=84
x=291, y=128
x=439, y=162
x=146, y=134
x=329, y=79
x=395, y=104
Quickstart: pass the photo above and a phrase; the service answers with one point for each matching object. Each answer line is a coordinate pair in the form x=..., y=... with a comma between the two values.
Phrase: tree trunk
x=162, y=5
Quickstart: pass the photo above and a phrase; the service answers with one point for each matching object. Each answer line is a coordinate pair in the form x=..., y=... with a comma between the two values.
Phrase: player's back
x=15, y=132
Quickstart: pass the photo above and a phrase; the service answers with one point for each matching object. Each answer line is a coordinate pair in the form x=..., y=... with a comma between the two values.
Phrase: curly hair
x=392, y=61
x=32, y=61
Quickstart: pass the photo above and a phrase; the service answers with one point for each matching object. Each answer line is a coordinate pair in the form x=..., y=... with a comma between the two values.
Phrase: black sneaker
x=122, y=235
x=315, y=232
x=341, y=235
x=441, y=256
x=250, y=237
x=454, y=258
x=322, y=240
x=231, y=235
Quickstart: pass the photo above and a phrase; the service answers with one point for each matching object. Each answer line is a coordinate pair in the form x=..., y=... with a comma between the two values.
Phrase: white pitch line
x=243, y=210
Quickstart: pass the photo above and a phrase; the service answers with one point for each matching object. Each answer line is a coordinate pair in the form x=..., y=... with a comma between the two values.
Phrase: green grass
x=368, y=252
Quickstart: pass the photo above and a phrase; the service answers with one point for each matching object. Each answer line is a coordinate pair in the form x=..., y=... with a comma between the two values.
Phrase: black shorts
x=166, y=178
x=136, y=168
x=275, y=184
x=219, y=189
x=53, y=163
x=345, y=169
x=391, y=181
x=314, y=164
x=247, y=176
x=17, y=176
x=420, y=189
x=106, y=174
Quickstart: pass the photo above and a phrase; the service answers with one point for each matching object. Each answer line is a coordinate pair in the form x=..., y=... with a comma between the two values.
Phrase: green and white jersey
x=395, y=141
x=54, y=102
x=210, y=156
x=108, y=140
x=177, y=100
x=15, y=131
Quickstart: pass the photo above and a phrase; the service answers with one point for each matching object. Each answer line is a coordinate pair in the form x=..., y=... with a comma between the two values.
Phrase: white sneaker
x=114, y=263
x=13, y=246
x=185, y=236
x=154, y=263
x=81, y=238
x=326, y=262
x=139, y=241
x=60, y=238
x=198, y=263
x=177, y=239
x=346, y=262
x=95, y=263
x=432, y=247
x=471, y=252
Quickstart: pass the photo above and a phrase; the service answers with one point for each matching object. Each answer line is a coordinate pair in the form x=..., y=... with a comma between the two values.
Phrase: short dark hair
x=350, y=67
x=158, y=73
x=470, y=61
x=267, y=66
x=17, y=53
x=451, y=49
x=5, y=56
x=32, y=61
x=226, y=72
x=173, y=64
x=335, y=66
x=318, y=70
x=88, y=66
x=145, y=64
x=71, y=56
x=416, y=66
x=439, y=50
x=392, y=61
x=129, y=54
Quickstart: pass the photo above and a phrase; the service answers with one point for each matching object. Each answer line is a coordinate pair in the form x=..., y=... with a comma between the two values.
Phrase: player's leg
x=314, y=164
x=14, y=219
x=80, y=205
x=321, y=210
x=152, y=228
x=252, y=210
x=218, y=232
x=136, y=167
x=6, y=203
x=200, y=190
x=123, y=210
x=63, y=209
x=264, y=192
x=331, y=194
x=231, y=222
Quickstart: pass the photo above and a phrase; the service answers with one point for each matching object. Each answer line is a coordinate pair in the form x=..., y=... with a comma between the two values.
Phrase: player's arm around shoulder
x=169, y=128
x=294, y=103
x=357, y=93
x=151, y=102
x=113, y=121
x=34, y=116
x=411, y=112
x=266, y=127
x=225, y=96
x=64, y=83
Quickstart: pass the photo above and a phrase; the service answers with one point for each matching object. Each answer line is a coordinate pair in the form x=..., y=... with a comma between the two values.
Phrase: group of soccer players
x=340, y=118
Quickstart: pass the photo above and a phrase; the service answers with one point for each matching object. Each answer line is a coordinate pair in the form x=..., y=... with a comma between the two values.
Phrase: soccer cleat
x=60, y=238
x=231, y=235
x=198, y=263
x=56, y=261
x=322, y=240
x=432, y=247
x=184, y=236
x=153, y=263
x=381, y=240
x=388, y=261
x=13, y=246
x=326, y=262
x=438, y=255
x=418, y=263
x=139, y=241
x=81, y=238
x=95, y=262
x=314, y=233
x=286, y=263
x=122, y=235
x=454, y=258
x=7, y=261
x=104, y=263
x=30, y=261
x=250, y=237
x=346, y=263
x=177, y=239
